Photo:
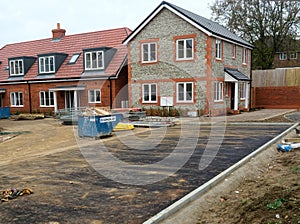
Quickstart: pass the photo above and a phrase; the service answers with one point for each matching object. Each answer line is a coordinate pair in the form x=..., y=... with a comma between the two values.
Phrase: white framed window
x=242, y=90
x=185, y=92
x=149, y=52
x=233, y=51
x=218, y=49
x=16, y=67
x=94, y=96
x=46, y=64
x=16, y=99
x=244, y=56
x=185, y=49
x=149, y=93
x=94, y=60
x=293, y=55
x=227, y=86
x=47, y=99
x=282, y=56
x=218, y=91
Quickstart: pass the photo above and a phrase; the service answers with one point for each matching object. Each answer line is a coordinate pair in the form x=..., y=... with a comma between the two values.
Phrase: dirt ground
x=264, y=191
x=272, y=195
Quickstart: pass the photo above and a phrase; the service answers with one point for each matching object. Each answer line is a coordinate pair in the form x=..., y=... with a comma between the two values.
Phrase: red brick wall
x=276, y=97
x=35, y=88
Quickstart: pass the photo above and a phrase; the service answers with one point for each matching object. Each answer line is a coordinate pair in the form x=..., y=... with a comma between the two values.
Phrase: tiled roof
x=211, y=26
x=207, y=25
x=69, y=44
x=236, y=74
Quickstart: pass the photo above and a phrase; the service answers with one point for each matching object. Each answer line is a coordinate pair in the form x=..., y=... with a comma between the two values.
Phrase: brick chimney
x=58, y=33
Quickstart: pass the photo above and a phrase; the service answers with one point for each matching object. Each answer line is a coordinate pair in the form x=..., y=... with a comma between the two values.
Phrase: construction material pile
x=96, y=111
x=27, y=116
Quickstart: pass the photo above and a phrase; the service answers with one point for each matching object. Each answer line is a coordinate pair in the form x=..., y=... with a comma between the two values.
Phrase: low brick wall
x=276, y=97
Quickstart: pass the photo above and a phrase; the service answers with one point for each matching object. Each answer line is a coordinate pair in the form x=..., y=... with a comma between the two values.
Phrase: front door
x=71, y=99
x=232, y=95
x=1, y=103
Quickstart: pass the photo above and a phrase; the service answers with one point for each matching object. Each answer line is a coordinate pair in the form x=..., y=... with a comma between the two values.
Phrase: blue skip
x=97, y=126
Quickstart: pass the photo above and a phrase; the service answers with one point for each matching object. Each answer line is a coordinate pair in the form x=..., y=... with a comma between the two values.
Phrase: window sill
x=185, y=102
x=185, y=60
x=150, y=102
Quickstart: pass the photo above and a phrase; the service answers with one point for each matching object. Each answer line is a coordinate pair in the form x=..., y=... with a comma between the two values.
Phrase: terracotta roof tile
x=69, y=44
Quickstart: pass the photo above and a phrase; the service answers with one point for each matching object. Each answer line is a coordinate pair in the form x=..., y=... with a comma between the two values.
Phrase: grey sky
x=32, y=19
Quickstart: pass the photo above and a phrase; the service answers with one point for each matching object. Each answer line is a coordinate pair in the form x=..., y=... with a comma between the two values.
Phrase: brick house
x=286, y=59
x=65, y=71
x=289, y=55
x=179, y=59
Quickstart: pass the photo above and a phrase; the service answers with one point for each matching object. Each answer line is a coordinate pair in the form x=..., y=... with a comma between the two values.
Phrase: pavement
x=257, y=115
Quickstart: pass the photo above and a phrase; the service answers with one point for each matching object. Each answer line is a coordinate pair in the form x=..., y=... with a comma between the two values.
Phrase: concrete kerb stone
x=213, y=182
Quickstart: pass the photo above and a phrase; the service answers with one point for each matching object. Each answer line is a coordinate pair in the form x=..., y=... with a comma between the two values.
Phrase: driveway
x=71, y=184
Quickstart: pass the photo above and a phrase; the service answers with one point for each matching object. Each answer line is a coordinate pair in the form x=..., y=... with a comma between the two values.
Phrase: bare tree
x=266, y=24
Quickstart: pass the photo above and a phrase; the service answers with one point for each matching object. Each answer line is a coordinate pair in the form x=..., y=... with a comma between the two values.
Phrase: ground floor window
x=16, y=99
x=149, y=93
x=185, y=92
x=218, y=91
x=47, y=99
x=242, y=90
x=94, y=96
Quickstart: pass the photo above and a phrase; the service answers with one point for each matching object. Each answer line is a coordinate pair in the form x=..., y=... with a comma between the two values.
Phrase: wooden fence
x=276, y=77
x=276, y=88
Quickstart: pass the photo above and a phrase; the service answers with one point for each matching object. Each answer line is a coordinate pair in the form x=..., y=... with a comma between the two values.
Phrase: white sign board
x=108, y=119
x=166, y=101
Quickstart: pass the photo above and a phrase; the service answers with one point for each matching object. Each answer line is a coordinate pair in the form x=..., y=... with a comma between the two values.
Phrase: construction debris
x=289, y=144
x=13, y=193
x=27, y=117
x=91, y=111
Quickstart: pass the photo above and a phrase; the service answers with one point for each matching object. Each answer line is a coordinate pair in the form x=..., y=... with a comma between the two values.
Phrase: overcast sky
x=24, y=20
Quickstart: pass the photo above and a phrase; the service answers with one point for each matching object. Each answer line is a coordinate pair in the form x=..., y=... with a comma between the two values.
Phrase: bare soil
x=57, y=170
x=271, y=196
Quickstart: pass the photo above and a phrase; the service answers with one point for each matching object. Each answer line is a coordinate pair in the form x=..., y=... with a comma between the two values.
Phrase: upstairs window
x=244, y=56
x=233, y=51
x=46, y=64
x=47, y=99
x=16, y=99
x=185, y=92
x=184, y=49
x=94, y=96
x=16, y=67
x=94, y=60
x=218, y=49
x=149, y=52
x=282, y=56
x=293, y=55
x=149, y=93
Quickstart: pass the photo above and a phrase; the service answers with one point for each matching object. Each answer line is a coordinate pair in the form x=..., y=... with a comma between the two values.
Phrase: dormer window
x=94, y=60
x=16, y=67
x=50, y=63
x=47, y=64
